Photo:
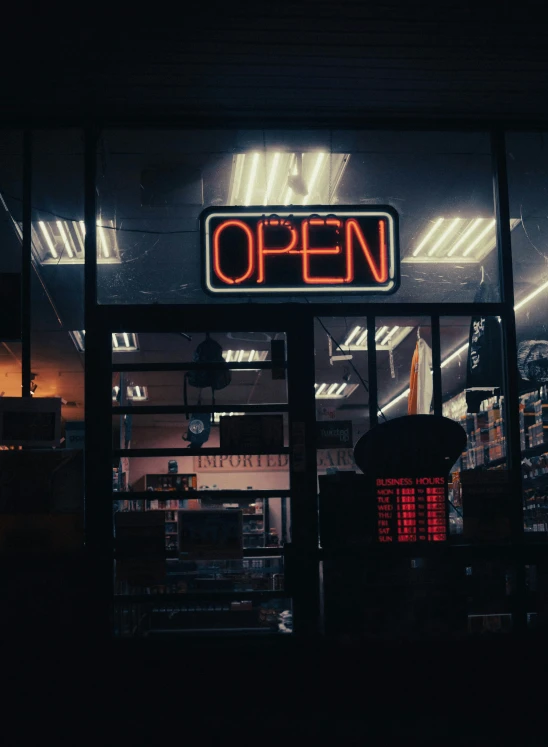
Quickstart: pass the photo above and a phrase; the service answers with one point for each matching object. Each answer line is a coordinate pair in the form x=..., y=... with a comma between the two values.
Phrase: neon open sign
x=300, y=250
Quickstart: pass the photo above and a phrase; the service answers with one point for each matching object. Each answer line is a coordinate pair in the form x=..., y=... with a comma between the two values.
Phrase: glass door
x=201, y=483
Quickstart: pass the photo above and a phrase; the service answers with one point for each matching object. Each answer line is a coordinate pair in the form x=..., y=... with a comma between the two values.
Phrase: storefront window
x=528, y=169
x=152, y=187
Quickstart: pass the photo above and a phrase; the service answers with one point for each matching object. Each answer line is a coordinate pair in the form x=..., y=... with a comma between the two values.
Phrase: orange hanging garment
x=420, y=384
x=413, y=383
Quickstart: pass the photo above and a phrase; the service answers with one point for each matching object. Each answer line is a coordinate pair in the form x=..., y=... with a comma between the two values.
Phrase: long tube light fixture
x=452, y=226
x=478, y=238
x=260, y=178
x=471, y=228
x=271, y=177
x=122, y=342
x=252, y=177
x=314, y=177
x=336, y=390
x=385, y=335
x=47, y=237
x=457, y=240
x=63, y=241
x=432, y=231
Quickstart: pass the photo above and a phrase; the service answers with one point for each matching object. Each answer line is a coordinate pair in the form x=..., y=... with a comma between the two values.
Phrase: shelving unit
x=486, y=449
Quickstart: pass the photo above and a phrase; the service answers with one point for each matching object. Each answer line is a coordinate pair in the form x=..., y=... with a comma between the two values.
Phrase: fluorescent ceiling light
x=393, y=335
x=314, y=177
x=272, y=177
x=118, y=341
x=443, y=237
x=104, y=242
x=430, y=233
x=530, y=297
x=47, y=237
x=463, y=240
x=252, y=178
x=390, y=335
x=353, y=334
x=471, y=228
x=396, y=400
x=65, y=238
x=137, y=393
x=244, y=356
x=218, y=415
x=336, y=390
x=260, y=178
x=482, y=235
x=454, y=355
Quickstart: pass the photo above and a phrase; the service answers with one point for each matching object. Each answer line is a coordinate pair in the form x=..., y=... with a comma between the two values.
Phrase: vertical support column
x=26, y=266
x=436, y=364
x=98, y=388
x=372, y=373
x=509, y=357
x=304, y=558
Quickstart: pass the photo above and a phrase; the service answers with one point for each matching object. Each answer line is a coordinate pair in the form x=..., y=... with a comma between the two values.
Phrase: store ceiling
x=306, y=60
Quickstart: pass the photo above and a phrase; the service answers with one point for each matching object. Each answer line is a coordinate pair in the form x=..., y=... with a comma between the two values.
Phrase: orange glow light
x=262, y=250
x=308, y=250
x=250, y=251
x=379, y=273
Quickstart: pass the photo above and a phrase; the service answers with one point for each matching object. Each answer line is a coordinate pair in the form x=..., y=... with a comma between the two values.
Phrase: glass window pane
x=153, y=185
x=527, y=171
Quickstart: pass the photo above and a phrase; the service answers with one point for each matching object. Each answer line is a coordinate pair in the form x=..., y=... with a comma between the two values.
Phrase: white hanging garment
x=425, y=386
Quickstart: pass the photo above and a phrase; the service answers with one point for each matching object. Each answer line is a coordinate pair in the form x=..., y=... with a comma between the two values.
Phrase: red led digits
x=308, y=250
x=217, y=251
x=262, y=250
x=420, y=509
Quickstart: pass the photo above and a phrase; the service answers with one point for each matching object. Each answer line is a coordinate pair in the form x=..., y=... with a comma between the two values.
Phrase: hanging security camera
x=208, y=352
x=199, y=429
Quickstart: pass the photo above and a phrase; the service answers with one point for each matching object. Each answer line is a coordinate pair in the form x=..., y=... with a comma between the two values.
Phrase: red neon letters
x=262, y=249
x=217, y=251
x=346, y=239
